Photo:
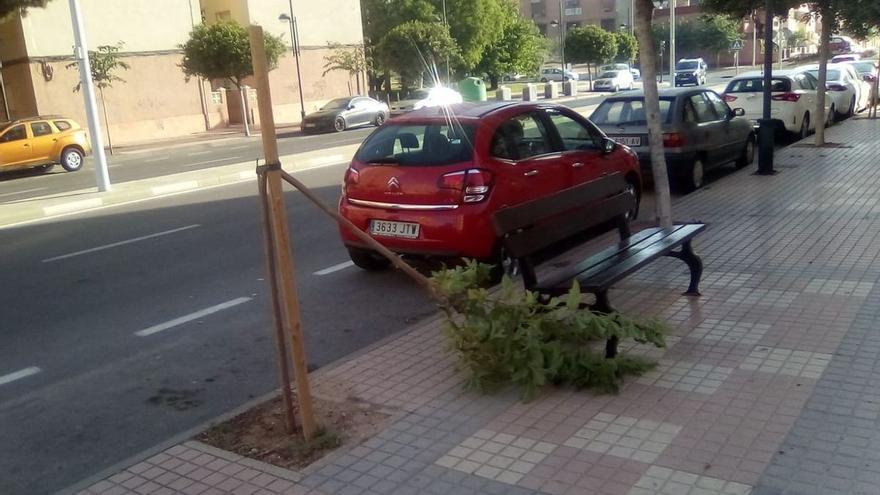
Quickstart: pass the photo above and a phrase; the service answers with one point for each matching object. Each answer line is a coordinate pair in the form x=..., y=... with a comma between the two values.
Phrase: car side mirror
x=608, y=145
x=739, y=112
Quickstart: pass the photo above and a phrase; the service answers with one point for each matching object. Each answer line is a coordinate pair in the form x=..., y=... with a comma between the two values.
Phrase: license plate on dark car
x=629, y=140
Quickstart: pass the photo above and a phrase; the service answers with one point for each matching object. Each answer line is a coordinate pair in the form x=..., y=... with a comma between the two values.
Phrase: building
x=155, y=100
x=576, y=13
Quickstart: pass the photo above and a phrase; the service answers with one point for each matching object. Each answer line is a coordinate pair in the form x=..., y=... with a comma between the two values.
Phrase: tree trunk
x=106, y=122
x=644, y=12
x=824, y=52
x=493, y=81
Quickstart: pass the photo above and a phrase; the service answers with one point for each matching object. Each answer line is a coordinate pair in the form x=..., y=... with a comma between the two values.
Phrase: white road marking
x=334, y=268
x=23, y=192
x=326, y=160
x=121, y=243
x=199, y=152
x=238, y=147
x=158, y=159
x=18, y=375
x=175, y=187
x=190, y=317
x=211, y=161
x=72, y=206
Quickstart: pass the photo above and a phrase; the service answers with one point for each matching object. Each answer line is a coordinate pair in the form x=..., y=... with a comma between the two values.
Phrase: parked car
x=426, y=98
x=690, y=71
x=636, y=73
x=793, y=98
x=344, y=113
x=700, y=131
x=848, y=91
x=42, y=142
x=425, y=185
x=867, y=69
x=555, y=74
x=848, y=57
x=613, y=80
x=841, y=44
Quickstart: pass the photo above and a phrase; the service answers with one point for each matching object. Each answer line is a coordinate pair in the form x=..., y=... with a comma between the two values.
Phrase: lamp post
x=766, y=129
x=294, y=48
x=561, y=24
x=672, y=42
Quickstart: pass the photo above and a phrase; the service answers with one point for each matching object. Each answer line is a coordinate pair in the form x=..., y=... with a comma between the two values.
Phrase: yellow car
x=42, y=142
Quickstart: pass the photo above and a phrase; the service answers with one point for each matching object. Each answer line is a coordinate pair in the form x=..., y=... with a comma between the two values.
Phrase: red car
x=427, y=183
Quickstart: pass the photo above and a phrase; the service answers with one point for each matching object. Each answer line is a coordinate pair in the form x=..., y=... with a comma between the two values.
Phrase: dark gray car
x=343, y=113
x=699, y=131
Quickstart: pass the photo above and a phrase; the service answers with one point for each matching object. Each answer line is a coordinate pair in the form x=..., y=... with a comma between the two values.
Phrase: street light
x=294, y=47
x=561, y=27
x=767, y=128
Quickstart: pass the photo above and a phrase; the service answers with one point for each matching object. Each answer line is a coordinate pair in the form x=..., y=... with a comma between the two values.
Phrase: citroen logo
x=393, y=184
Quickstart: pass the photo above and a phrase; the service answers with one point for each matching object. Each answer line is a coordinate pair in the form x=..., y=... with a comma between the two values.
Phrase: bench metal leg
x=603, y=305
x=694, y=263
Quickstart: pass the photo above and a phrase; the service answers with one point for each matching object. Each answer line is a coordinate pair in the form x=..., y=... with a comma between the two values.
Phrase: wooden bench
x=530, y=228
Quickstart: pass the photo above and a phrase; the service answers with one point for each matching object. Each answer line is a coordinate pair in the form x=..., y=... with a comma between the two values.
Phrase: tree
x=862, y=19
x=474, y=25
x=644, y=11
x=223, y=51
x=717, y=32
x=105, y=63
x=520, y=49
x=627, y=47
x=415, y=47
x=590, y=45
x=9, y=7
x=379, y=18
x=348, y=59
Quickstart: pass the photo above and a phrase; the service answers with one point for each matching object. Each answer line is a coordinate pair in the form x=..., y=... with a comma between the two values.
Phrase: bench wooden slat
x=525, y=214
x=553, y=230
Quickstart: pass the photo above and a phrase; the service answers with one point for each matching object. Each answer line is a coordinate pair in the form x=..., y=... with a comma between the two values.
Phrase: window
x=756, y=85
x=805, y=81
x=41, y=129
x=521, y=137
x=627, y=112
x=721, y=108
x=574, y=135
x=704, y=109
x=426, y=144
x=17, y=133
x=62, y=125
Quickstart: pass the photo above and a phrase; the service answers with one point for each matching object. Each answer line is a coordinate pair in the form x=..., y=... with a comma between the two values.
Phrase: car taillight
x=673, y=140
x=352, y=177
x=836, y=87
x=728, y=98
x=792, y=97
x=473, y=183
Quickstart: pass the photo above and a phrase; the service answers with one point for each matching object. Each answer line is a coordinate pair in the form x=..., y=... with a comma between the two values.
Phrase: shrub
x=513, y=336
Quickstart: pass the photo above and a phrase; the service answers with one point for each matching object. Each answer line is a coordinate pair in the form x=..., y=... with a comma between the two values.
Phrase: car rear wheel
x=852, y=107
x=380, y=119
x=805, y=127
x=543, y=79
x=693, y=179
x=71, y=159
x=748, y=154
x=368, y=260
x=830, y=117
x=339, y=124
x=502, y=265
x=631, y=188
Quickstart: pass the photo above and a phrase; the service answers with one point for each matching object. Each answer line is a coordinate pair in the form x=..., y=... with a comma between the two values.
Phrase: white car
x=793, y=95
x=848, y=57
x=636, y=73
x=426, y=98
x=613, y=80
x=848, y=92
x=555, y=74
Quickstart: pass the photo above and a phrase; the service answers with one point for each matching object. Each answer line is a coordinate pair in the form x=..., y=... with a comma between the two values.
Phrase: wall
x=214, y=10
x=337, y=21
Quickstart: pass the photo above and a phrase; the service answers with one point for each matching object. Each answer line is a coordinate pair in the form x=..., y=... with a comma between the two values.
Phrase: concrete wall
x=337, y=21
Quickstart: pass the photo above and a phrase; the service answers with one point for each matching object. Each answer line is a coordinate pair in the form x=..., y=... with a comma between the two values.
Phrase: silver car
x=699, y=131
x=344, y=113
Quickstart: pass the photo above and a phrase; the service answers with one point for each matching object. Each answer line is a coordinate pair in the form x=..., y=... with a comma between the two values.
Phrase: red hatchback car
x=427, y=183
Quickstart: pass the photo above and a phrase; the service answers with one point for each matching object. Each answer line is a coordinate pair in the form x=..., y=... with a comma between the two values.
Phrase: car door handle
x=577, y=165
x=531, y=173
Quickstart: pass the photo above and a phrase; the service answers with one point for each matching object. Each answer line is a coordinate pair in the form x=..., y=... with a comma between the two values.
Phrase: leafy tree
x=743, y=8
x=717, y=32
x=590, y=45
x=348, y=59
x=8, y=7
x=474, y=25
x=861, y=17
x=379, y=18
x=798, y=38
x=627, y=47
x=223, y=51
x=520, y=49
x=413, y=48
x=105, y=63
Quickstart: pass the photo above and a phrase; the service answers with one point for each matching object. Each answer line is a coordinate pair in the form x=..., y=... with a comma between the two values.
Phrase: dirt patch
x=259, y=433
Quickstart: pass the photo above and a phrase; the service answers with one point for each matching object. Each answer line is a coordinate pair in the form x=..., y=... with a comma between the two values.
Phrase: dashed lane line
x=120, y=243
x=161, y=327
x=18, y=375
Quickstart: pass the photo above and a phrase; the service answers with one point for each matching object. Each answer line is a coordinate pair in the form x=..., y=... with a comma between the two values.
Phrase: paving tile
x=736, y=332
x=659, y=480
x=787, y=362
x=839, y=287
x=686, y=376
x=496, y=455
x=620, y=436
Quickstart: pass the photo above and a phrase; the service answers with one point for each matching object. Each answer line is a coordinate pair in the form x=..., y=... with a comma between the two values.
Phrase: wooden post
x=284, y=262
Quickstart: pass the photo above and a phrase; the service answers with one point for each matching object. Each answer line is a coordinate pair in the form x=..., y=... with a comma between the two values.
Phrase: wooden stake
x=284, y=261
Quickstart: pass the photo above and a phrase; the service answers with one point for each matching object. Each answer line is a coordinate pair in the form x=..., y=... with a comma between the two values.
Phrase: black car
x=699, y=131
x=690, y=71
x=343, y=113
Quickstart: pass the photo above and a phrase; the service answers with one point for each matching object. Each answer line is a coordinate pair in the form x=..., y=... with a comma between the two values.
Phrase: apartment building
x=575, y=13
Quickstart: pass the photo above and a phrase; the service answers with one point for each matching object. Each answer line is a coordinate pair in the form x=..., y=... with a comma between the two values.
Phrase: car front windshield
x=630, y=111
x=864, y=67
x=689, y=65
x=4, y=126
x=833, y=74
x=337, y=104
x=420, y=94
x=419, y=144
x=611, y=74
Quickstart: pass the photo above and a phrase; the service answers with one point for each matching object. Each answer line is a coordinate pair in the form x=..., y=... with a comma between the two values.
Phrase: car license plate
x=310, y=125
x=394, y=229
x=629, y=140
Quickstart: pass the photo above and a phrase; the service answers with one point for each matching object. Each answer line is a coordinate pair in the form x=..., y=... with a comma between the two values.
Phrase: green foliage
x=742, y=8
x=414, y=47
x=512, y=336
x=590, y=44
x=708, y=32
x=520, y=49
x=223, y=51
x=9, y=7
x=627, y=47
x=798, y=38
x=105, y=62
x=345, y=58
x=861, y=18
x=474, y=25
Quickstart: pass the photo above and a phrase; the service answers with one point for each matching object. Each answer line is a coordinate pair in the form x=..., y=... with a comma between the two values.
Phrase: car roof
x=468, y=111
x=775, y=73
x=37, y=117
x=663, y=93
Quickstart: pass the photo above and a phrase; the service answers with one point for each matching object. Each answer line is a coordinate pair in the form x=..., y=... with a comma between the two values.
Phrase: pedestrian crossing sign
x=736, y=45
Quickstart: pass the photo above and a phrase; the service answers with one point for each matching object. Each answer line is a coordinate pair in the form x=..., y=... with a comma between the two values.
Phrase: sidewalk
x=770, y=383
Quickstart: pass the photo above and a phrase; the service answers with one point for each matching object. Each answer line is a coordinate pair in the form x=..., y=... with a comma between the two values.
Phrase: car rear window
x=833, y=74
x=864, y=67
x=756, y=85
x=428, y=144
x=62, y=125
x=630, y=111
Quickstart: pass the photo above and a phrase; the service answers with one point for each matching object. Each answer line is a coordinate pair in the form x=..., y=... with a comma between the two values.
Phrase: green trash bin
x=472, y=89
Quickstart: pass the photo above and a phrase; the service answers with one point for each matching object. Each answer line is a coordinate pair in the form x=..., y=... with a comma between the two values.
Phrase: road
x=126, y=326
